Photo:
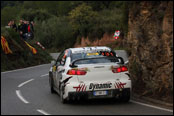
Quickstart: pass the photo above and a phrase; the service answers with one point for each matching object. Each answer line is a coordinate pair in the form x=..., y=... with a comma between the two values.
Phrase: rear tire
x=61, y=95
x=51, y=85
x=125, y=96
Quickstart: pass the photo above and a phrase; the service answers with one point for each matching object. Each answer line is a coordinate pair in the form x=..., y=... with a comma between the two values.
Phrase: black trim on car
x=89, y=94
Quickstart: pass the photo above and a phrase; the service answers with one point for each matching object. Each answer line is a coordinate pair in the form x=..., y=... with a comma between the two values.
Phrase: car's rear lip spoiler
x=72, y=65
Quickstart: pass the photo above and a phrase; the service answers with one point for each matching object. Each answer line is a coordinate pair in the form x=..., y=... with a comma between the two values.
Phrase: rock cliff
x=150, y=39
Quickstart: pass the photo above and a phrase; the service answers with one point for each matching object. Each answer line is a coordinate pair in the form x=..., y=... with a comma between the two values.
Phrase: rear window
x=102, y=57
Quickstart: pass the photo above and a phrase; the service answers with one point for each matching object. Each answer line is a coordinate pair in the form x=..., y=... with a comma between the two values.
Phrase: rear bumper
x=114, y=93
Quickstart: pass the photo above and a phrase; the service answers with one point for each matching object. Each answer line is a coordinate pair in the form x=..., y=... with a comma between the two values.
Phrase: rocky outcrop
x=150, y=39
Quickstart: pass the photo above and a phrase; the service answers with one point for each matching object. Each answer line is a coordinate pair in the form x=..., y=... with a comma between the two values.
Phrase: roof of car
x=86, y=49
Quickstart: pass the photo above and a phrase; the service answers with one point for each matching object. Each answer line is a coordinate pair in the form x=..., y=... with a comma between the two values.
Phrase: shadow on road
x=94, y=102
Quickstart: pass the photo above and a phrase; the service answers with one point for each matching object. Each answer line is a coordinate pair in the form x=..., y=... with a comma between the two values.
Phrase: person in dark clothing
x=14, y=25
x=20, y=25
x=30, y=27
x=20, y=28
x=25, y=30
x=30, y=30
x=25, y=27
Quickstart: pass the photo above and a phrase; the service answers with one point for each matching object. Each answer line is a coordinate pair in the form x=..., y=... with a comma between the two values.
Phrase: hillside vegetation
x=59, y=24
x=21, y=55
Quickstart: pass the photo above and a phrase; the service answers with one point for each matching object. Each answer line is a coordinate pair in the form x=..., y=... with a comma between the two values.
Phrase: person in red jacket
x=30, y=30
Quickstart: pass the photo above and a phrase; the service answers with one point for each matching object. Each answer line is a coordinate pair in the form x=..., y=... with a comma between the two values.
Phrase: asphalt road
x=26, y=92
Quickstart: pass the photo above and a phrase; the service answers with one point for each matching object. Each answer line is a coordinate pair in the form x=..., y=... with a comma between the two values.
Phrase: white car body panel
x=97, y=76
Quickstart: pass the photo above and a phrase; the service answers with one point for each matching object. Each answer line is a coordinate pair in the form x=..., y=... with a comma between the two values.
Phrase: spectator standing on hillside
x=25, y=30
x=20, y=28
x=20, y=24
x=30, y=30
x=9, y=24
x=13, y=25
x=32, y=26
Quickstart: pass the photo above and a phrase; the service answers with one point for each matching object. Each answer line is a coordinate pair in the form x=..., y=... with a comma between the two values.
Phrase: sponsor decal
x=79, y=88
x=89, y=54
x=100, y=86
x=54, y=68
x=119, y=85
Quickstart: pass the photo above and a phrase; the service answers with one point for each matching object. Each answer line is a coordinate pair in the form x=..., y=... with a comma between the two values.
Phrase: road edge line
x=43, y=112
x=18, y=93
x=156, y=107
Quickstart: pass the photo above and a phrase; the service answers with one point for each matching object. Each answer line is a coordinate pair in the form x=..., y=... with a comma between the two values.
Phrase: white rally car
x=89, y=72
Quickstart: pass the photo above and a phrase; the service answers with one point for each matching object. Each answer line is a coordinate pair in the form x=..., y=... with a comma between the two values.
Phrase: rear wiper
x=72, y=65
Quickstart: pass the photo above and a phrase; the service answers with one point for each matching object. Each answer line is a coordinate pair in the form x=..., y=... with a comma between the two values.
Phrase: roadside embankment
x=22, y=56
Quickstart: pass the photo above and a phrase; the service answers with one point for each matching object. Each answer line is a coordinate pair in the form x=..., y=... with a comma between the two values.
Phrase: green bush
x=56, y=32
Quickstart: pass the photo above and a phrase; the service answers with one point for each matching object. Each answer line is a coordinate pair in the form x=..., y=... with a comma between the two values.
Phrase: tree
x=9, y=13
x=10, y=3
x=98, y=5
x=30, y=14
x=81, y=18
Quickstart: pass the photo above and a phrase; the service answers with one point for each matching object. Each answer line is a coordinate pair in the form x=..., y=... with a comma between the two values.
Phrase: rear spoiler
x=72, y=65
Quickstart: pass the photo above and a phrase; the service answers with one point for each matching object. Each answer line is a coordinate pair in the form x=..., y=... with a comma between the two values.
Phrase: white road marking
x=25, y=82
x=43, y=75
x=43, y=112
x=151, y=106
x=21, y=97
x=22, y=69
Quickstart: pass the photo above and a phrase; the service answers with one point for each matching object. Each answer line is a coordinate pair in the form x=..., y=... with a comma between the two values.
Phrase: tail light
x=120, y=69
x=76, y=72
x=123, y=68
